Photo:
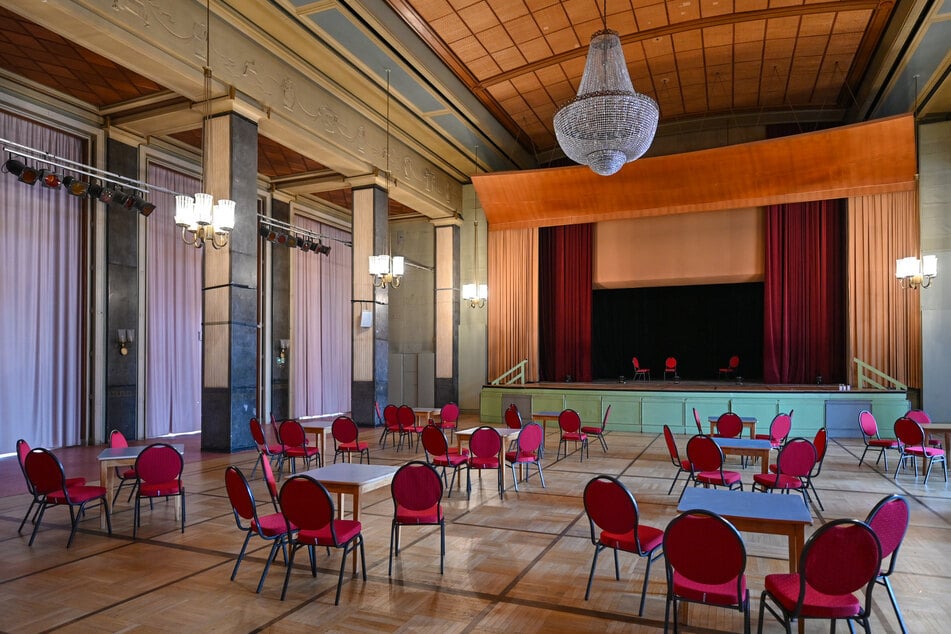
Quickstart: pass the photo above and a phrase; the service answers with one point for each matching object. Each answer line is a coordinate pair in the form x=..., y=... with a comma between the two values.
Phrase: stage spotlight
x=271, y=235
x=107, y=194
x=122, y=199
x=263, y=230
x=292, y=241
x=94, y=190
x=282, y=239
x=305, y=244
x=75, y=186
x=323, y=249
x=50, y=179
x=23, y=173
x=144, y=207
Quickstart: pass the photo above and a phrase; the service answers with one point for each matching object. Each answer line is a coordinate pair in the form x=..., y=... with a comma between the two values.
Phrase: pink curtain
x=321, y=339
x=41, y=299
x=173, y=313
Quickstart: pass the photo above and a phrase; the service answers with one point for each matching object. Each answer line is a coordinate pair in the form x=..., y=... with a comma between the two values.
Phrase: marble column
x=447, y=311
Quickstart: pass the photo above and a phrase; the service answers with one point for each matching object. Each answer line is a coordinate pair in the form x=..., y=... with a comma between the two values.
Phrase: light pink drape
x=41, y=299
x=173, y=276
x=322, y=338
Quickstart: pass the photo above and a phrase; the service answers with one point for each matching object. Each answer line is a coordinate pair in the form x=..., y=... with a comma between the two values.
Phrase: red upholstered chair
x=126, y=475
x=615, y=523
x=159, y=469
x=23, y=448
x=696, y=419
x=683, y=466
x=271, y=451
x=911, y=446
x=391, y=424
x=779, y=430
x=408, y=427
x=512, y=420
x=439, y=455
x=705, y=560
x=889, y=519
x=347, y=441
x=869, y=429
x=307, y=505
x=269, y=480
x=570, y=424
x=295, y=444
x=639, y=372
x=706, y=464
x=730, y=369
x=417, y=501
x=272, y=527
x=821, y=443
x=48, y=481
x=528, y=445
x=449, y=418
x=729, y=425
x=841, y=558
x=796, y=460
x=598, y=432
x=670, y=367
x=485, y=446
x=921, y=417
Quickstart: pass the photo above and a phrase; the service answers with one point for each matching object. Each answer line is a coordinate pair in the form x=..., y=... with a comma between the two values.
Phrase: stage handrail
x=516, y=374
x=865, y=381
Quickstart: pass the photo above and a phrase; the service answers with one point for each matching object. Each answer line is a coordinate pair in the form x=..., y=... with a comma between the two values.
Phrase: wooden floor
x=513, y=565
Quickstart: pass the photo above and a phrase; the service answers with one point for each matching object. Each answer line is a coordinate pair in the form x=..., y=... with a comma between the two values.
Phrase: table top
x=742, y=443
x=316, y=423
x=319, y=418
x=119, y=453
x=549, y=414
x=745, y=419
x=504, y=432
x=747, y=505
x=351, y=473
x=427, y=410
x=937, y=427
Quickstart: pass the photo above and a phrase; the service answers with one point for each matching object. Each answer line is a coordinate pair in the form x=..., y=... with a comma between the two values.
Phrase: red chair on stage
x=911, y=446
x=639, y=372
x=889, y=519
x=730, y=369
x=615, y=523
x=598, y=432
x=670, y=367
x=869, y=429
x=706, y=465
x=417, y=501
x=570, y=424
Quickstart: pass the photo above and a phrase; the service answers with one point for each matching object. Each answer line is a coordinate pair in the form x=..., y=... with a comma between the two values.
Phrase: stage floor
x=684, y=386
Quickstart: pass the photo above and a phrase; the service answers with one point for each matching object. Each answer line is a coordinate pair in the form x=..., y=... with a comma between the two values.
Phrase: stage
x=646, y=406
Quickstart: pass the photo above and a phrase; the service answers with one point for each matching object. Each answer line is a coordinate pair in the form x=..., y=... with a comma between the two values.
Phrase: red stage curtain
x=565, y=274
x=804, y=293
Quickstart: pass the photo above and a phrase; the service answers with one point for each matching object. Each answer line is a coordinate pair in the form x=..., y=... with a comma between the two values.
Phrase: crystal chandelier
x=608, y=123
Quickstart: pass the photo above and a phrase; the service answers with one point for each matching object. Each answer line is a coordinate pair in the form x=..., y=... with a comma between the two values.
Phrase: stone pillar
x=229, y=292
x=280, y=319
x=447, y=311
x=371, y=345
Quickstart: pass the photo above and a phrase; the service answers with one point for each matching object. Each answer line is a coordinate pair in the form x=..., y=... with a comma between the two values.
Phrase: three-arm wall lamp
x=914, y=273
x=125, y=338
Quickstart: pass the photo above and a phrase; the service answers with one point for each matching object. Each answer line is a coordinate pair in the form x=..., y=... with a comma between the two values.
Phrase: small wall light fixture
x=914, y=273
x=282, y=353
x=125, y=339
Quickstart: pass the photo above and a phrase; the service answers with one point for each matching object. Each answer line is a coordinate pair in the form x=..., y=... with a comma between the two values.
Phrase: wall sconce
x=282, y=353
x=914, y=273
x=125, y=339
x=475, y=295
x=387, y=270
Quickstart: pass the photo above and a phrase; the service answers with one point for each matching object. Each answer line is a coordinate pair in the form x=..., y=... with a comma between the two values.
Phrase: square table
x=756, y=513
x=352, y=479
x=319, y=426
x=749, y=423
x=747, y=447
x=111, y=458
x=544, y=418
x=505, y=432
x=425, y=414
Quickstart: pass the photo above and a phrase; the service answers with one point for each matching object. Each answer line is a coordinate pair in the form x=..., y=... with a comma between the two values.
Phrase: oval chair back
x=417, y=491
x=704, y=454
x=530, y=438
x=569, y=421
x=449, y=413
x=779, y=428
x=434, y=441
x=485, y=445
x=867, y=424
x=513, y=420
x=797, y=458
x=841, y=557
x=696, y=419
x=729, y=425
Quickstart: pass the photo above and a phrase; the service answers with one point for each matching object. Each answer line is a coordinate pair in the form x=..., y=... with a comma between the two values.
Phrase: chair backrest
x=637, y=365
x=307, y=504
x=889, y=519
x=257, y=434
x=269, y=478
x=434, y=441
x=569, y=421
x=406, y=416
x=530, y=438
x=734, y=362
x=841, y=557
x=704, y=454
x=867, y=424
x=706, y=549
x=729, y=425
x=670, y=363
x=780, y=427
x=291, y=433
x=610, y=507
x=604, y=421
x=240, y=495
x=449, y=413
x=416, y=486
x=485, y=442
x=513, y=420
x=821, y=443
x=44, y=471
x=908, y=432
x=390, y=417
x=696, y=418
x=159, y=462
x=344, y=430
x=920, y=416
x=796, y=458
x=117, y=440
x=671, y=446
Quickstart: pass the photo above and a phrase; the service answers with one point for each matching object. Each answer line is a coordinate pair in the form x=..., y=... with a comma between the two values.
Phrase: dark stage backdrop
x=702, y=326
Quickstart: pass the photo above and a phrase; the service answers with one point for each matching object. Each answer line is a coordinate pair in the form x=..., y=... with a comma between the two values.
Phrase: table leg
x=356, y=517
x=764, y=462
x=106, y=477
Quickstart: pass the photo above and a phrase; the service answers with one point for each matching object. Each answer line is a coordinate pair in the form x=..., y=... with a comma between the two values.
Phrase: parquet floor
x=513, y=565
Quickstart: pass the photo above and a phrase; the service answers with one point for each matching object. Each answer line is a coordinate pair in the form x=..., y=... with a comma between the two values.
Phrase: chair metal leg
x=237, y=563
x=894, y=600
x=594, y=563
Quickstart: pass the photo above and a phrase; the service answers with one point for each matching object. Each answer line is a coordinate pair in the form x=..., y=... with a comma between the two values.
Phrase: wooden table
x=936, y=429
x=505, y=432
x=544, y=418
x=345, y=478
x=749, y=423
x=319, y=426
x=756, y=513
x=747, y=447
x=425, y=414
x=111, y=458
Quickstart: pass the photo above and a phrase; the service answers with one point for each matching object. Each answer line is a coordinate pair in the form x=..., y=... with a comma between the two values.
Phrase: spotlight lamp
x=144, y=207
x=279, y=232
x=23, y=173
x=50, y=179
x=324, y=249
x=263, y=231
x=75, y=186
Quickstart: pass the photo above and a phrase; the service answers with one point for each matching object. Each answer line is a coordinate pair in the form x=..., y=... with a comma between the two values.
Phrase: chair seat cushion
x=713, y=477
x=432, y=515
x=75, y=482
x=928, y=452
x=127, y=474
x=574, y=435
x=301, y=452
x=773, y=468
x=491, y=462
x=596, y=431
x=353, y=446
x=882, y=442
x=449, y=460
x=771, y=481
x=521, y=456
x=449, y=425
x=714, y=593
x=649, y=537
x=275, y=449
x=159, y=489
x=77, y=494
x=270, y=525
x=345, y=529
x=785, y=589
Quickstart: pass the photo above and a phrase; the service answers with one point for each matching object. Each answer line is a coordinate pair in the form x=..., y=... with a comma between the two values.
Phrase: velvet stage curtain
x=513, y=301
x=565, y=300
x=804, y=293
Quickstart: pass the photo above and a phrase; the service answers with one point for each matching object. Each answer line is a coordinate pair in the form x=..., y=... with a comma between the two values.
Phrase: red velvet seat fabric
x=598, y=432
x=417, y=491
x=706, y=464
x=570, y=424
x=911, y=446
x=159, y=474
x=439, y=455
x=485, y=446
x=528, y=448
x=889, y=519
x=869, y=429
x=296, y=446
x=347, y=441
x=23, y=448
x=682, y=464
